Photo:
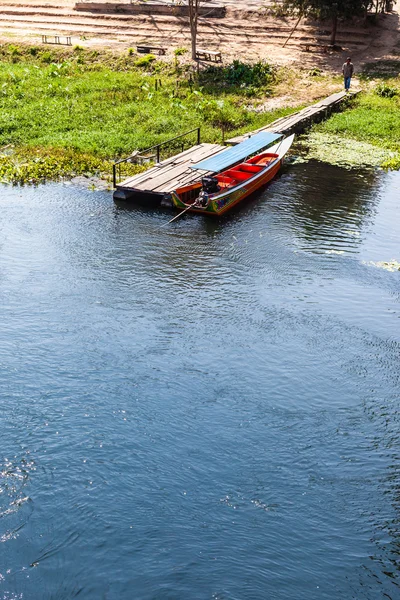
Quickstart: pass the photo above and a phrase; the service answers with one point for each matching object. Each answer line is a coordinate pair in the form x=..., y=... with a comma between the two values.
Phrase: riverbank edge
x=22, y=163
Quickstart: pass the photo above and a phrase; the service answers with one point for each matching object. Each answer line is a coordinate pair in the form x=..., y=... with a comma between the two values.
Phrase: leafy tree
x=325, y=8
x=328, y=9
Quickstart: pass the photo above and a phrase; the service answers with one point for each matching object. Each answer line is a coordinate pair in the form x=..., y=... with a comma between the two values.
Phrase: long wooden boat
x=216, y=194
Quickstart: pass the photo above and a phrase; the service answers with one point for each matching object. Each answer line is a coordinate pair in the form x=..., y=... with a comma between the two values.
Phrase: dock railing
x=152, y=154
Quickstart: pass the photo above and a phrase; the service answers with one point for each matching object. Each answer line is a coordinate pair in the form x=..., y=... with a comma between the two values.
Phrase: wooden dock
x=153, y=187
x=168, y=174
x=301, y=120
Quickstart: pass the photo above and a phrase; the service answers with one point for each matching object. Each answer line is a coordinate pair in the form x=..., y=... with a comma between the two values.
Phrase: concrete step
x=40, y=18
x=139, y=35
x=112, y=25
x=152, y=8
x=265, y=24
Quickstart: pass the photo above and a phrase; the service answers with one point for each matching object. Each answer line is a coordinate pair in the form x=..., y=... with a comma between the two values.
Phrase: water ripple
x=204, y=410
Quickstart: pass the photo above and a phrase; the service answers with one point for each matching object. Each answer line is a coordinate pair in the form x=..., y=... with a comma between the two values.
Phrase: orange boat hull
x=222, y=202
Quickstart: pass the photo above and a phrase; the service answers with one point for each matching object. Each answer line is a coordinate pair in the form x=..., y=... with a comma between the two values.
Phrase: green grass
x=100, y=106
x=69, y=111
x=373, y=119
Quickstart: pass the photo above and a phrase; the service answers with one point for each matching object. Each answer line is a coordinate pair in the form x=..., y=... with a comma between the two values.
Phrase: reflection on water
x=204, y=410
x=341, y=206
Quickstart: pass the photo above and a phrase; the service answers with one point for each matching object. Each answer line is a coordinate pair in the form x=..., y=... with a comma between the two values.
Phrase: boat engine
x=203, y=199
x=210, y=185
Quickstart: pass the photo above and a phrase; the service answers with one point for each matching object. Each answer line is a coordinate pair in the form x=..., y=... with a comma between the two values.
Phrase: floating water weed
x=392, y=265
x=27, y=165
x=346, y=152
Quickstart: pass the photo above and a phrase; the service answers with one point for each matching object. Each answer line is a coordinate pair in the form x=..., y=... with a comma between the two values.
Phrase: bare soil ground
x=248, y=32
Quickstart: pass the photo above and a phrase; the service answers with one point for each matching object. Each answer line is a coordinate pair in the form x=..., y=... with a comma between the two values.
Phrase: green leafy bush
x=14, y=50
x=386, y=91
x=145, y=61
x=180, y=51
x=46, y=57
x=240, y=73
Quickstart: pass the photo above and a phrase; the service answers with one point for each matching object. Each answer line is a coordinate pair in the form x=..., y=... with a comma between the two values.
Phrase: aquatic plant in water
x=392, y=265
x=345, y=152
x=27, y=165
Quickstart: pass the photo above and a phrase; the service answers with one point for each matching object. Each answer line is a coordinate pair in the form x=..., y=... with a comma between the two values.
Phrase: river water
x=208, y=410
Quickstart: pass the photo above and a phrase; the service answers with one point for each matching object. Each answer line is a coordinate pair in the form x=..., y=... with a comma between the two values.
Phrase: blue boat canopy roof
x=235, y=154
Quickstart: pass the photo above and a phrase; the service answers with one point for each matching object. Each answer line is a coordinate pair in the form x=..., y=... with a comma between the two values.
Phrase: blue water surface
x=208, y=410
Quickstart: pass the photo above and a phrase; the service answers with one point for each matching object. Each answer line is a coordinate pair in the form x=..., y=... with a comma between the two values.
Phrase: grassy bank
x=370, y=129
x=71, y=111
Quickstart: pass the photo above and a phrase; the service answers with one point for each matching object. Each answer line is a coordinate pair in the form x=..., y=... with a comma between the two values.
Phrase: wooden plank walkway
x=301, y=120
x=172, y=172
x=175, y=171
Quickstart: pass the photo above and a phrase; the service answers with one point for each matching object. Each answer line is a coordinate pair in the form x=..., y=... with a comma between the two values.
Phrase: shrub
x=240, y=73
x=180, y=51
x=145, y=61
x=46, y=57
x=223, y=115
x=14, y=50
x=257, y=74
x=386, y=91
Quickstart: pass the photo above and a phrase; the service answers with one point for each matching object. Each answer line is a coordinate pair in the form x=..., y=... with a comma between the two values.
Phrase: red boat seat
x=238, y=175
x=224, y=181
x=249, y=168
x=263, y=159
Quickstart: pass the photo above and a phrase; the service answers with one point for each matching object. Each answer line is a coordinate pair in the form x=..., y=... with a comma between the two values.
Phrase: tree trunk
x=193, y=33
x=193, y=16
x=334, y=25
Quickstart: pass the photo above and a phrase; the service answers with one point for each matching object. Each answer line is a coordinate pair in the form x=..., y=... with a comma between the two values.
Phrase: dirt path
x=247, y=32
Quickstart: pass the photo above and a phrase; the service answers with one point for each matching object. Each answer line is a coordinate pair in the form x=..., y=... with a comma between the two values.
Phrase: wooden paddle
x=180, y=214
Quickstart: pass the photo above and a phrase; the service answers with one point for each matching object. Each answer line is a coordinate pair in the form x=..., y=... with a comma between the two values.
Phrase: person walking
x=347, y=70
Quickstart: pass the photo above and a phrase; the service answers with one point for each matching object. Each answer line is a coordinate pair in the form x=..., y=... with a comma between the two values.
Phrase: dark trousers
x=347, y=81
